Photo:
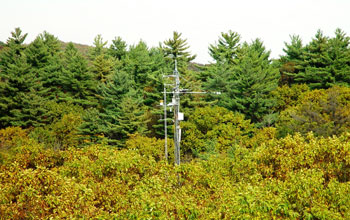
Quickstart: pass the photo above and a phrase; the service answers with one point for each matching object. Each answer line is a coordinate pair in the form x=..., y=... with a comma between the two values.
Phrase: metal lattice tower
x=178, y=116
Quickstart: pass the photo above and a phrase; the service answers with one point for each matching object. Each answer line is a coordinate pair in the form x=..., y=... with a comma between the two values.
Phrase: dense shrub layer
x=294, y=177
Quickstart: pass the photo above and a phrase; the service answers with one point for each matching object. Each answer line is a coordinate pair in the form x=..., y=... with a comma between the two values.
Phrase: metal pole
x=165, y=128
x=176, y=112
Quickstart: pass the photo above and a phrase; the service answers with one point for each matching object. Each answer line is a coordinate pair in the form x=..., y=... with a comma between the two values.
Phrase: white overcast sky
x=199, y=21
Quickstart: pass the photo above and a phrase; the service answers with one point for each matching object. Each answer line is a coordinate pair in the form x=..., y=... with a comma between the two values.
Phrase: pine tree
x=99, y=47
x=111, y=92
x=91, y=129
x=153, y=85
x=246, y=85
x=291, y=62
x=110, y=95
x=339, y=53
x=19, y=101
x=13, y=48
x=146, y=68
x=37, y=55
x=16, y=80
x=254, y=79
x=51, y=42
x=138, y=63
x=31, y=112
x=43, y=55
x=294, y=50
x=225, y=50
x=118, y=48
x=77, y=80
x=102, y=68
x=322, y=63
x=131, y=116
x=177, y=48
x=152, y=93
x=102, y=63
x=316, y=62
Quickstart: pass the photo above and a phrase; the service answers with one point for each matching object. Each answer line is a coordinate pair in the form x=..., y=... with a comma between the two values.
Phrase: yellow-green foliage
x=150, y=147
x=313, y=174
x=11, y=137
x=55, y=111
x=61, y=134
x=330, y=155
x=325, y=112
x=65, y=130
x=288, y=96
x=261, y=136
x=214, y=126
x=292, y=178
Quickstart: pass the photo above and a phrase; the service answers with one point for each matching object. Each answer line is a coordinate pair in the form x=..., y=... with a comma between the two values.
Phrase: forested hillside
x=82, y=130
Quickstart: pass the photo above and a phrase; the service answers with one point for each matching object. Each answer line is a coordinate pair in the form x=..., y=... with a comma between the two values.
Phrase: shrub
x=214, y=125
x=324, y=112
x=150, y=147
x=11, y=137
x=61, y=134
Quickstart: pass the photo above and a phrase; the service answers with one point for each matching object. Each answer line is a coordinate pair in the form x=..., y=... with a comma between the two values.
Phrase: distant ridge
x=82, y=48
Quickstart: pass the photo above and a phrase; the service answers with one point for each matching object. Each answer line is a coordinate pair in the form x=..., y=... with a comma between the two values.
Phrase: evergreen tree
x=16, y=80
x=37, y=55
x=110, y=95
x=111, y=92
x=31, y=112
x=19, y=100
x=225, y=50
x=118, y=48
x=131, y=116
x=102, y=63
x=152, y=93
x=102, y=68
x=322, y=63
x=294, y=50
x=339, y=53
x=316, y=63
x=177, y=48
x=99, y=47
x=78, y=81
x=13, y=47
x=138, y=63
x=91, y=129
x=44, y=57
x=51, y=42
x=290, y=63
x=147, y=67
x=153, y=85
x=246, y=85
